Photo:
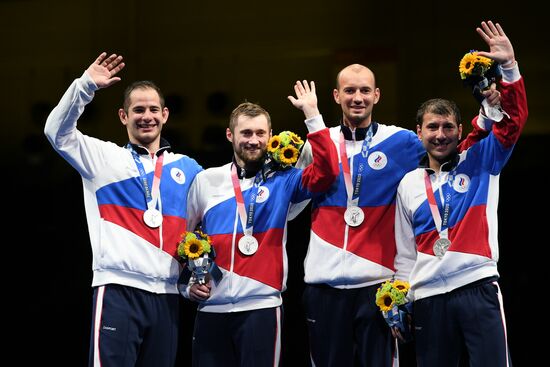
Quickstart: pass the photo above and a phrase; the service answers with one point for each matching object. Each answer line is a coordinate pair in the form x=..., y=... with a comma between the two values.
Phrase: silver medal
x=354, y=216
x=248, y=245
x=153, y=218
x=441, y=246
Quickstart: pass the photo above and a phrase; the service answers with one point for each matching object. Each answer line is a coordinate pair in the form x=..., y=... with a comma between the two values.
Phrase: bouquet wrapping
x=284, y=149
x=392, y=301
x=196, y=249
x=478, y=73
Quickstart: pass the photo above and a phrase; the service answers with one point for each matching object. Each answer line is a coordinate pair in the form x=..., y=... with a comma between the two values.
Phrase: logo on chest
x=461, y=183
x=263, y=194
x=377, y=160
x=177, y=175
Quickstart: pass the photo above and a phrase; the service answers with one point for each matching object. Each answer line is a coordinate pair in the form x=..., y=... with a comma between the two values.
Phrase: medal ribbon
x=247, y=221
x=446, y=203
x=151, y=195
x=353, y=196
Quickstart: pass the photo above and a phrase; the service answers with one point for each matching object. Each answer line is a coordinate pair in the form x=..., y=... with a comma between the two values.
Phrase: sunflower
x=288, y=155
x=473, y=64
x=391, y=293
x=274, y=143
x=296, y=140
x=467, y=65
x=193, y=248
x=401, y=285
x=484, y=61
x=194, y=244
x=284, y=148
x=384, y=300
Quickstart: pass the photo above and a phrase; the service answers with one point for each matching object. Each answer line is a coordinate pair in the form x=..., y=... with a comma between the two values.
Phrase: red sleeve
x=323, y=170
x=514, y=101
x=508, y=130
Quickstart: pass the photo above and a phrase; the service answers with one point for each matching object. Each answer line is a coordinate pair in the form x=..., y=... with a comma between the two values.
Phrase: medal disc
x=354, y=216
x=153, y=218
x=441, y=246
x=248, y=245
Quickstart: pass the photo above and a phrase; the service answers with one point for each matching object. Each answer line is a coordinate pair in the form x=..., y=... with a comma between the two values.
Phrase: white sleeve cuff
x=315, y=124
x=510, y=74
x=88, y=82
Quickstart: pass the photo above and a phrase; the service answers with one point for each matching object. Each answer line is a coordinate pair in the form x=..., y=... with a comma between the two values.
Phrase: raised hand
x=500, y=47
x=103, y=70
x=306, y=98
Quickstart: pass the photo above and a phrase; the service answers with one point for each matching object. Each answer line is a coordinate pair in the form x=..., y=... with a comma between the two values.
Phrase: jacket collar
x=447, y=166
x=164, y=146
x=360, y=132
x=247, y=173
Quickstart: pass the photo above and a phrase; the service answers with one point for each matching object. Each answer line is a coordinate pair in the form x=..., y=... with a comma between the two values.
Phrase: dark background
x=208, y=57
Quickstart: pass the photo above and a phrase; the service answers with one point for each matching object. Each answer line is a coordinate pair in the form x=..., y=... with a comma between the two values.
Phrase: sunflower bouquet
x=478, y=72
x=196, y=249
x=391, y=298
x=284, y=149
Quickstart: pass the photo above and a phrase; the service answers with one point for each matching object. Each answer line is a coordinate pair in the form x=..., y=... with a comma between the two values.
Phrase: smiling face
x=144, y=115
x=356, y=93
x=440, y=135
x=249, y=139
x=249, y=131
x=439, y=129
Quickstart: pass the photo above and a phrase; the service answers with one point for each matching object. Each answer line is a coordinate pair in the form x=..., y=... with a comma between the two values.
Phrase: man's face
x=356, y=95
x=440, y=135
x=249, y=139
x=145, y=118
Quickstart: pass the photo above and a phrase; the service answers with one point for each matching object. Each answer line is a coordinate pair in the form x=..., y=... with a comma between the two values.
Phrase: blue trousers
x=231, y=339
x=132, y=327
x=469, y=319
x=346, y=328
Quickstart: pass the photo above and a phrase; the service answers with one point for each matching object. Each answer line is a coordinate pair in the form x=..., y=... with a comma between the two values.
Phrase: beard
x=251, y=158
